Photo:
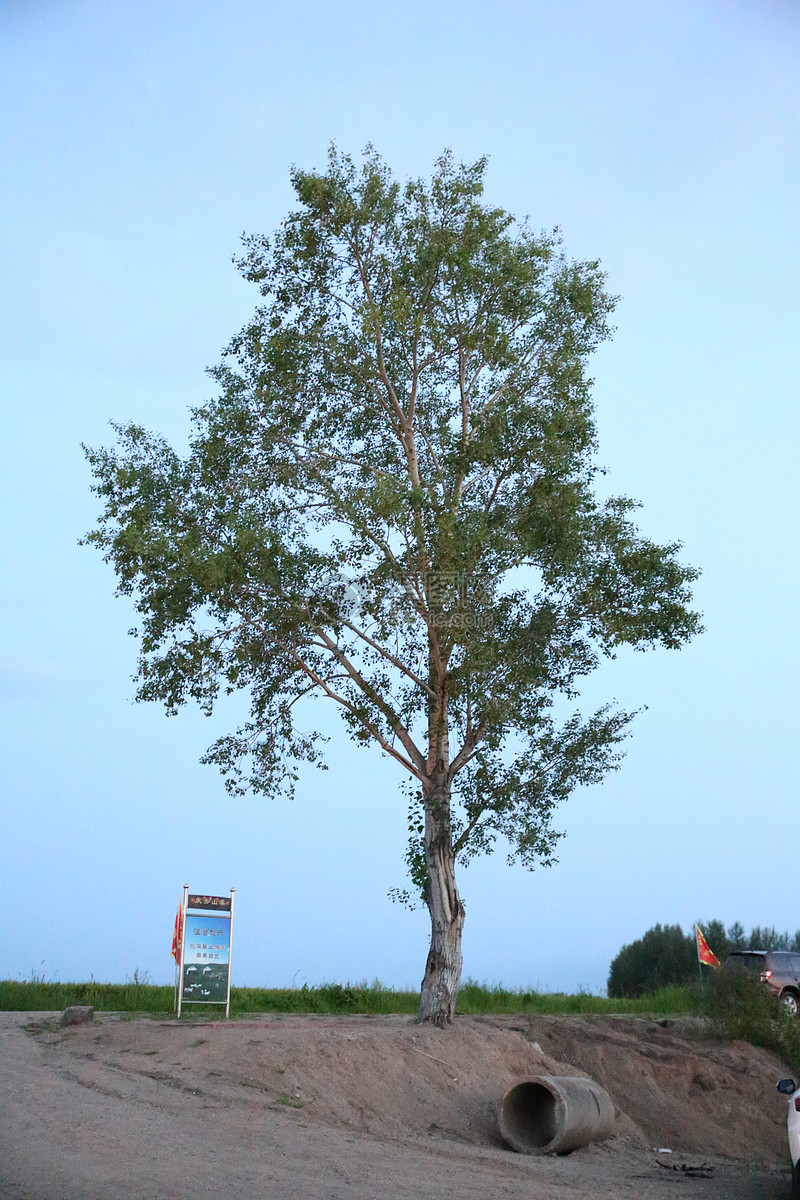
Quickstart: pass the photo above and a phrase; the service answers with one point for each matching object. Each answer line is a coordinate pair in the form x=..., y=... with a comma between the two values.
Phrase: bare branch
x=351, y=708
x=372, y=694
x=468, y=750
x=389, y=657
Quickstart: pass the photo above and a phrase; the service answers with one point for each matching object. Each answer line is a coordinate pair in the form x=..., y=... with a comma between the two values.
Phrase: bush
x=739, y=1006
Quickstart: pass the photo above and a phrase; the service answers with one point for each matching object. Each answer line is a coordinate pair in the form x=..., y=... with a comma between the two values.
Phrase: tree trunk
x=442, y=978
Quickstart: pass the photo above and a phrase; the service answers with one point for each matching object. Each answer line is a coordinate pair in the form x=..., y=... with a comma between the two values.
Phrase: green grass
x=35, y=995
x=139, y=995
x=734, y=1004
x=479, y=999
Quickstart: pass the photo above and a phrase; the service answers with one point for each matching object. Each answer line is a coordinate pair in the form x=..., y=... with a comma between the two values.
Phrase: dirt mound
x=677, y=1087
x=392, y=1079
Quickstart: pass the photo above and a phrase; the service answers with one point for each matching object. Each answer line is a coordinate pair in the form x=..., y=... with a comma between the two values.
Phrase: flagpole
x=177, y=939
x=705, y=955
x=699, y=959
x=183, y=946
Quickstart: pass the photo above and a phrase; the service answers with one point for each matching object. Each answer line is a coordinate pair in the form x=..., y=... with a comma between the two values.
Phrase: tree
x=662, y=957
x=390, y=504
x=665, y=955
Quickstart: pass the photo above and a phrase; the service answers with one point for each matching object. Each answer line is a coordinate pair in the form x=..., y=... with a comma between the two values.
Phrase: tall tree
x=390, y=504
x=663, y=957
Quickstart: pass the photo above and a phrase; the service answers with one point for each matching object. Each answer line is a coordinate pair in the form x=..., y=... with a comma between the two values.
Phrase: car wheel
x=795, y=1181
x=789, y=1002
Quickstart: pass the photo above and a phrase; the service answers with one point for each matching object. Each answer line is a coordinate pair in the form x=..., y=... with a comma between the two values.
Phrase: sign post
x=205, y=965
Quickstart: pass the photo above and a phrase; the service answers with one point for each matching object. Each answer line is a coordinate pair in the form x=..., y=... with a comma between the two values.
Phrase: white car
x=788, y=1087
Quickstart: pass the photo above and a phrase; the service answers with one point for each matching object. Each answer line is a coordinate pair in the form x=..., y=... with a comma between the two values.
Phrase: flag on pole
x=177, y=936
x=704, y=952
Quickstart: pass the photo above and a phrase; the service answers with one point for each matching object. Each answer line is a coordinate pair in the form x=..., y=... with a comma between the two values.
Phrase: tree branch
x=372, y=694
x=351, y=708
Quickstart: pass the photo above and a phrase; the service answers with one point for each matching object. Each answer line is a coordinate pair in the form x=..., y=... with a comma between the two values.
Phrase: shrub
x=739, y=1006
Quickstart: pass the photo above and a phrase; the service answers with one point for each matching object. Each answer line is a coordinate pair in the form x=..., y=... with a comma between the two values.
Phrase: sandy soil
x=356, y=1109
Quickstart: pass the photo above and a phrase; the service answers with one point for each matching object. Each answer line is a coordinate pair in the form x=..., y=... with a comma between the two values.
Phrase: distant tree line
x=666, y=956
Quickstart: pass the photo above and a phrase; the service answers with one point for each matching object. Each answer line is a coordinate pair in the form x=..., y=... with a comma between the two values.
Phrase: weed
x=139, y=996
x=740, y=1007
x=340, y=998
x=38, y=1028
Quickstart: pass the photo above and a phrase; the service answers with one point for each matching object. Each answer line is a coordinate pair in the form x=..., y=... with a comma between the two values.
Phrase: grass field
x=139, y=995
x=734, y=1004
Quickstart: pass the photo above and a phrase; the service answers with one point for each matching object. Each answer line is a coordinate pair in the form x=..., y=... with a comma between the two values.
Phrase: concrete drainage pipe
x=553, y=1114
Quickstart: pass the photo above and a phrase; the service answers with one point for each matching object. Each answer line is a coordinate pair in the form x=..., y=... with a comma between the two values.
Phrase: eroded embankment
x=672, y=1086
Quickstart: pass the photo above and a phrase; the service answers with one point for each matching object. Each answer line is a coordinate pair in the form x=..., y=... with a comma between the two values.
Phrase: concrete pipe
x=553, y=1114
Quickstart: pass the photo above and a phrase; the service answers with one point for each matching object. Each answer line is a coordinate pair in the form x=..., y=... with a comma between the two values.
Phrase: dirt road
x=358, y=1109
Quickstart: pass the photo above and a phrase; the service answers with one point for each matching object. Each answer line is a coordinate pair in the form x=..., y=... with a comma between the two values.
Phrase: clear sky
x=137, y=142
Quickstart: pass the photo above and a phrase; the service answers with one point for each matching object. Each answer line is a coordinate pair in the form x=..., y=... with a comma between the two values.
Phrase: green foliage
x=335, y=998
x=341, y=998
x=666, y=956
x=390, y=504
x=734, y=1002
x=769, y=938
x=330, y=998
x=36, y=995
x=476, y=999
x=740, y=1007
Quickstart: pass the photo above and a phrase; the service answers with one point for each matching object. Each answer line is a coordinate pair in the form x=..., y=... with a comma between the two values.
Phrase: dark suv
x=778, y=969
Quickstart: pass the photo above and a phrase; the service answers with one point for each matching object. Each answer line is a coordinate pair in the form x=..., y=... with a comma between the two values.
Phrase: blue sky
x=138, y=142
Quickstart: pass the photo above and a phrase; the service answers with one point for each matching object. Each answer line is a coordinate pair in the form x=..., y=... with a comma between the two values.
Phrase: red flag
x=177, y=936
x=704, y=952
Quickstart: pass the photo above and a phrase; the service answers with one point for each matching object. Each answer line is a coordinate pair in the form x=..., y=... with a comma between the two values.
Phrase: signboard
x=206, y=950
x=206, y=959
x=215, y=903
